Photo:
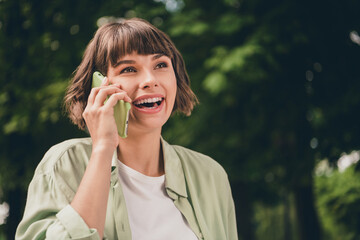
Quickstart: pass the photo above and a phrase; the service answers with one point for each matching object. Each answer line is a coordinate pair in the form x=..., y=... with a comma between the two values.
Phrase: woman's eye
x=161, y=65
x=128, y=70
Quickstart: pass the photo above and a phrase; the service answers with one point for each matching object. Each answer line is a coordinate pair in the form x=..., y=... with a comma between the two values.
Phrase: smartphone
x=121, y=109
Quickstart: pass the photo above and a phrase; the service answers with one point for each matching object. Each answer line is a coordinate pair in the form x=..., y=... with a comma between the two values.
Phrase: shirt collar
x=174, y=173
x=114, y=169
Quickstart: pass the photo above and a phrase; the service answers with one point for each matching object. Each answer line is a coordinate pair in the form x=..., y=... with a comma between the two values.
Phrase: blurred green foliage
x=278, y=85
x=338, y=195
x=272, y=221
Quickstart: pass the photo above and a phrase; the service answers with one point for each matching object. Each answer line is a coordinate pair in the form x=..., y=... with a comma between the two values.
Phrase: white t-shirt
x=152, y=213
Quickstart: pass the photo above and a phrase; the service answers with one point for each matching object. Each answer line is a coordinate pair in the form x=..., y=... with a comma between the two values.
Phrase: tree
x=267, y=75
x=275, y=105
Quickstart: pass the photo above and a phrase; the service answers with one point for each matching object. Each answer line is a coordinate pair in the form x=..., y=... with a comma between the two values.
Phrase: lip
x=147, y=110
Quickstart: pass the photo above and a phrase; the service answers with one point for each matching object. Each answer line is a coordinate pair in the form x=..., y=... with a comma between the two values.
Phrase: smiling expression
x=149, y=80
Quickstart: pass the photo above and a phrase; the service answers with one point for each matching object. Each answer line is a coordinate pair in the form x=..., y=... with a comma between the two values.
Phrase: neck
x=142, y=152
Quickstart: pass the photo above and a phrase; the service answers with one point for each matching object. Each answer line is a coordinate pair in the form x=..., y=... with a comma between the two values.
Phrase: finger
x=118, y=85
x=103, y=93
x=113, y=99
x=95, y=90
x=126, y=97
x=105, y=81
x=110, y=82
x=92, y=95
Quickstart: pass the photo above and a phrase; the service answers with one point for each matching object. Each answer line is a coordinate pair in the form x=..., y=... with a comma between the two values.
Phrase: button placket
x=186, y=210
x=120, y=212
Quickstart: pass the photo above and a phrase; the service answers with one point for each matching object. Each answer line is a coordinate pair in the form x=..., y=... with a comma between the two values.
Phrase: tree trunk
x=243, y=209
x=15, y=199
x=309, y=227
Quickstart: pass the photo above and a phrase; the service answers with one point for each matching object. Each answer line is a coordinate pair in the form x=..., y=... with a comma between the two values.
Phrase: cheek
x=128, y=87
x=173, y=88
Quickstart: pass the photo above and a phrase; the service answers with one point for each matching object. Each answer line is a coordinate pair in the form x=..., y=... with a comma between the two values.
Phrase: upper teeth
x=148, y=100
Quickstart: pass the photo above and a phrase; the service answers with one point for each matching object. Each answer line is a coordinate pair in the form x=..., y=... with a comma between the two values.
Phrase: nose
x=148, y=81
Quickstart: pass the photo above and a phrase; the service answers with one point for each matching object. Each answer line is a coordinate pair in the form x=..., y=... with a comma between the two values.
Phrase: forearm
x=91, y=197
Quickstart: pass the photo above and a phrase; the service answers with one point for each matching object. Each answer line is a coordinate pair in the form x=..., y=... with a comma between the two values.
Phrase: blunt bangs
x=130, y=37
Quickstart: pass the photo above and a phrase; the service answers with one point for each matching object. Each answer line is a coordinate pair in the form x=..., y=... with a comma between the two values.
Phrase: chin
x=147, y=125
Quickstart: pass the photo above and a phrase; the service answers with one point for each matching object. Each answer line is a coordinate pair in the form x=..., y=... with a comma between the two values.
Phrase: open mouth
x=149, y=103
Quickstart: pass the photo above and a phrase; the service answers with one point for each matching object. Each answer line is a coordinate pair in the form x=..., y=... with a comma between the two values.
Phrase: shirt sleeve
x=232, y=228
x=48, y=214
x=232, y=233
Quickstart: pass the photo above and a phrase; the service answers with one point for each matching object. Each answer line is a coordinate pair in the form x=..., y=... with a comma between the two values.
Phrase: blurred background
x=278, y=83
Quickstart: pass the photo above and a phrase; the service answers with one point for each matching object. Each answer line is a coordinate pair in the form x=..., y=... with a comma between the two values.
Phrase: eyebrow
x=157, y=56
x=124, y=62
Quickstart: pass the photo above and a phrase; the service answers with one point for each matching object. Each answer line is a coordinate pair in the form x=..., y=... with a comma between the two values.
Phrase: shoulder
x=206, y=179
x=199, y=163
x=73, y=152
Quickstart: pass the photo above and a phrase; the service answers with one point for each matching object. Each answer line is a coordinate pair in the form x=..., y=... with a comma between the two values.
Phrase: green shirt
x=197, y=184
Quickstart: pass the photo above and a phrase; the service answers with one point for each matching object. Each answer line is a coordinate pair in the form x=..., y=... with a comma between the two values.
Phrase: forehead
x=142, y=40
x=135, y=55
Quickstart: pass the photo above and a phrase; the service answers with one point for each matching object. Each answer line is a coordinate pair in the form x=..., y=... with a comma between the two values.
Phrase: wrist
x=104, y=145
x=102, y=151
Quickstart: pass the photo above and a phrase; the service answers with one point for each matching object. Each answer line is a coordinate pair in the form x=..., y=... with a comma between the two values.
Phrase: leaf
x=215, y=82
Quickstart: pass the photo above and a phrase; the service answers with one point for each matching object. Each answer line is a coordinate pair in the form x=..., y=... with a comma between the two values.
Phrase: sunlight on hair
x=346, y=160
x=4, y=212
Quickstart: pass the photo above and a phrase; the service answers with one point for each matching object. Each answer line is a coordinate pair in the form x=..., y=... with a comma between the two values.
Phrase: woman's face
x=149, y=80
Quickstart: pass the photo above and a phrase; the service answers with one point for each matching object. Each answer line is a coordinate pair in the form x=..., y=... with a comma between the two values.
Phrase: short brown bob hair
x=111, y=42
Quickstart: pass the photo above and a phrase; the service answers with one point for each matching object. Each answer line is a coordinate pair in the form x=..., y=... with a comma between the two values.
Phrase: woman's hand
x=99, y=115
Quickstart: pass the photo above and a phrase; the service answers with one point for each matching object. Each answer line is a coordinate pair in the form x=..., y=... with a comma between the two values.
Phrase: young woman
x=139, y=187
